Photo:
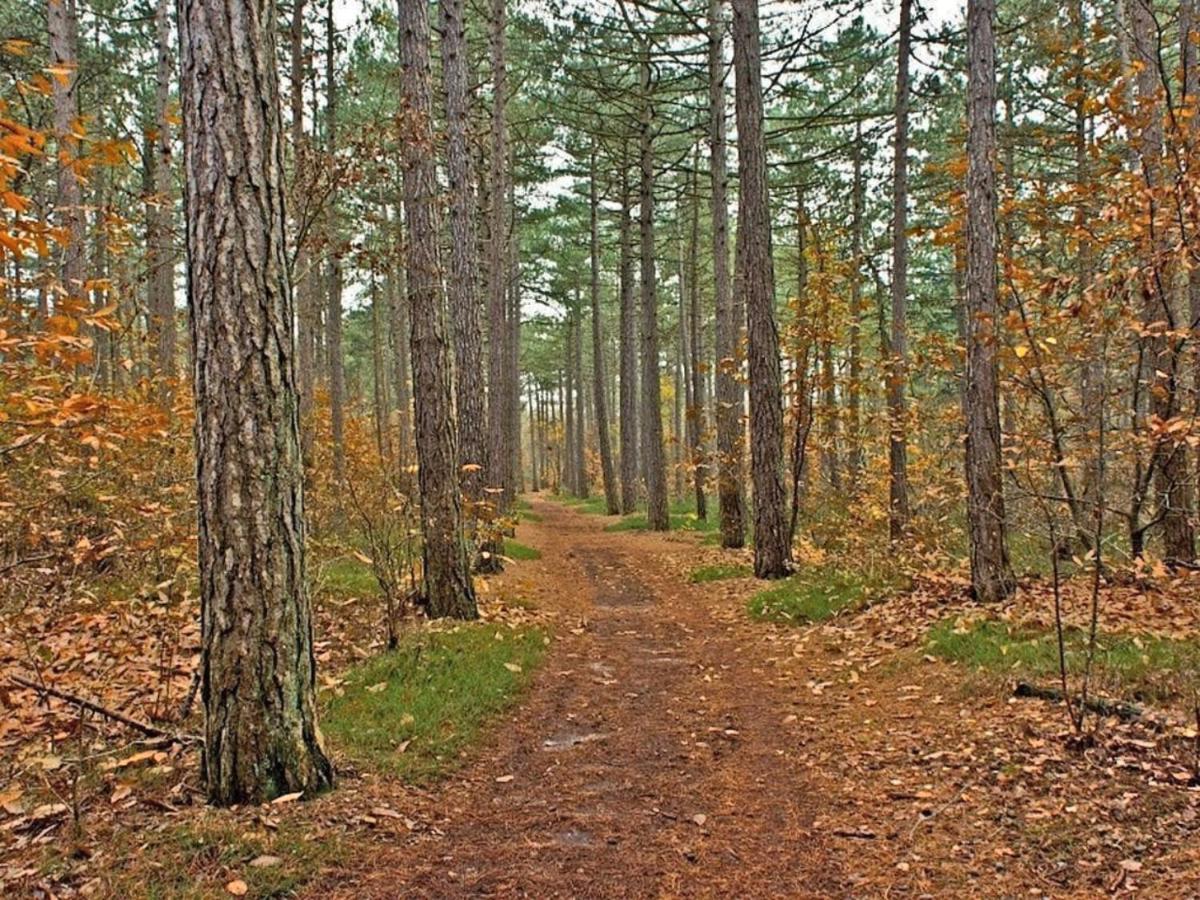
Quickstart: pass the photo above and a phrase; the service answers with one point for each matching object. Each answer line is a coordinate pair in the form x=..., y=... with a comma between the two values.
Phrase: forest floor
x=671, y=745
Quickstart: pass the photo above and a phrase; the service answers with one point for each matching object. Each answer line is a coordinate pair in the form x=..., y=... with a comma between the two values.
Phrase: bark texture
x=653, y=455
x=497, y=270
x=897, y=375
x=612, y=502
x=68, y=203
x=991, y=574
x=463, y=282
x=448, y=588
x=257, y=666
x=160, y=245
x=728, y=391
x=628, y=354
x=755, y=274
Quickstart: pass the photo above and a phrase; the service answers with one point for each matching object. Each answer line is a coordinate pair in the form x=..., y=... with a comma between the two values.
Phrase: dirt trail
x=651, y=757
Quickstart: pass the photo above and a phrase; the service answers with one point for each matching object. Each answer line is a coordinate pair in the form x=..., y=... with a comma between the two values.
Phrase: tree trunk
x=257, y=667
x=498, y=451
x=582, y=482
x=628, y=355
x=755, y=274
x=160, y=248
x=854, y=457
x=653, y=457
x=333, y=315
x=379, y=376
x=464, y=277
x=448, y=587
x=991, y=574
x=897, y=373
x=696, y=405
x=727, y=389
x=1161, y=346
x=570, y=481
x=401, y=335
x=302, y=275
x=612, y=502
x=68, y=203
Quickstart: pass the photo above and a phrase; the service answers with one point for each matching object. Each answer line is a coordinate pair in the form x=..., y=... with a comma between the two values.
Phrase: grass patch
x=720, y=572
x=518, y=551
x=524, y=511
x=814, y=595
x=1140, y=667
x=415, y=710
x=682, y=515
x=346, y=576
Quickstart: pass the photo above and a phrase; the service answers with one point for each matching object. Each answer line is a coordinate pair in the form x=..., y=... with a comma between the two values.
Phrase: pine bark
x=302, y=275
x=755, y=274
x=612, y=502
x=497, y=270
x=333, y=314
x=257, y=665
x=628, y=354
x=448, y=588
x=1161, y=367
x=991, y=574
x=653, y=455
x=63, y=28
x=727, y=389
x=159, y=242
x=697, y=401
x=897, y=374
x=464, y=276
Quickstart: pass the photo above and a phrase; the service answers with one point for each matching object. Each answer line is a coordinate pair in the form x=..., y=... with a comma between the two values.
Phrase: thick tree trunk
x=464, y=276
x=599, y=376
x=628, y=355
x=653, y=457
x=727, y=388
x=897, y=375
x=257, y=667
x=448, y=587
x=991, y=574
x=68, y=204
x=755, y=274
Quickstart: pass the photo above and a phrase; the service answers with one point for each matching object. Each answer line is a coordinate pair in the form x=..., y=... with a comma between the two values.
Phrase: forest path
x=651, y=756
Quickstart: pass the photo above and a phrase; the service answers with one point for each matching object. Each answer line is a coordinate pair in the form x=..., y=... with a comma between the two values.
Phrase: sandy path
x=652, y=756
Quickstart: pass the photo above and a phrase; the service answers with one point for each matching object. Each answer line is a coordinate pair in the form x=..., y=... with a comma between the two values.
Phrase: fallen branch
x=92, y=706
x=1126, y=712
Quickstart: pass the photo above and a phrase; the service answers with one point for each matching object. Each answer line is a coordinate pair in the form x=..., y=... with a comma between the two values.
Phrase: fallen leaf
x=504, y=779
x=287, y=798
x=237, y=887
x=265, y=862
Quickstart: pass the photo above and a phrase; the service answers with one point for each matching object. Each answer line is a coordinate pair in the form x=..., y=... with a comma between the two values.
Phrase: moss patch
x=720, y=572
x=414, y=711
x=816, y=594
x=1139, y=667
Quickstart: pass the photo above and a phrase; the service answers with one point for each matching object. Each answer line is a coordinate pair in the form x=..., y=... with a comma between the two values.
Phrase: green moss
x=1137, y=666
x=682, y=514
x=719, y=572
x=814, y=595
x=414, y=711
x=348, y=577
x=518, y=551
